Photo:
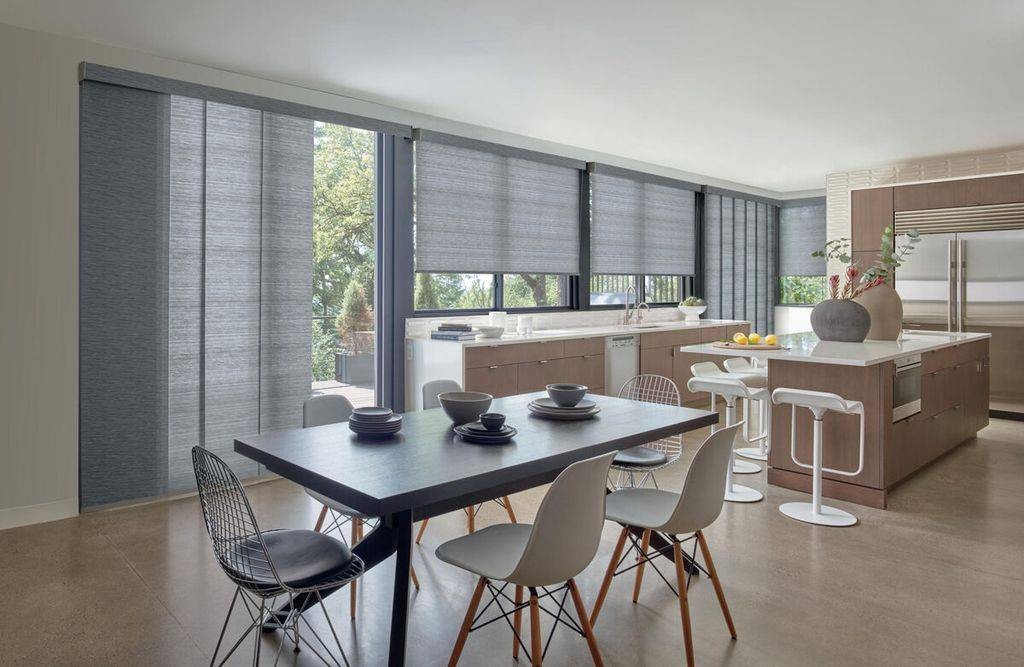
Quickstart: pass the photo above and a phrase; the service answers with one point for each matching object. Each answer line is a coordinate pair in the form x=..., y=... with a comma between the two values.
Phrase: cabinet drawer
x=588, y=370
x=580, y=347
x=907, y=448
x=495, y=380
x=670, y=338
x=971, y=351
x=936, y=359
x=938, y=390
x=500, y=355
x=655, y=361
x=711, y=334
x=536, y=375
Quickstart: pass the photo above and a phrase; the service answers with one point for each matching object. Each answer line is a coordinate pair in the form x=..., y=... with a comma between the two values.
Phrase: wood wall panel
x=871, y=212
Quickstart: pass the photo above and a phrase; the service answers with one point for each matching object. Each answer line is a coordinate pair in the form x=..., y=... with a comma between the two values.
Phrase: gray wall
x=39, y=245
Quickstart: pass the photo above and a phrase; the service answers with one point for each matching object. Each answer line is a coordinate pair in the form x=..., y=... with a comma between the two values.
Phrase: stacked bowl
x=564, y=402
x=374, y=422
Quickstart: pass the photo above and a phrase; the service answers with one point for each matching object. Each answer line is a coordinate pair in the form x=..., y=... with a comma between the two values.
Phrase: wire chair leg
x=223, y=629
x=330, y=625
x=259, y=635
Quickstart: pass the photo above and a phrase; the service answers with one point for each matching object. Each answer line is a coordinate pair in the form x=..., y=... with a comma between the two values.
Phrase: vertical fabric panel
x=234, y=154
x=801, y=232
x=482, y=212
x=286, y=294
x=638, y=227
x=740, y=259
x=122, y=294
x=185, y=289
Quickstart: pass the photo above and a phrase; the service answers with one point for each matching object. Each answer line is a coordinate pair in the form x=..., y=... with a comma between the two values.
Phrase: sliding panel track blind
x=741, y=259
x=801, y=232
x=484, y=208
x=641, y=223
x=196, y=255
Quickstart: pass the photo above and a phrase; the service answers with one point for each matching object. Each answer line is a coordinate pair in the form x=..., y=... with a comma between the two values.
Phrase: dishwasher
x=621, y=361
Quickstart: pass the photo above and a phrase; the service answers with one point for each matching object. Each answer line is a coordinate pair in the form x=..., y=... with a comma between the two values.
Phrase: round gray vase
x=842, y=320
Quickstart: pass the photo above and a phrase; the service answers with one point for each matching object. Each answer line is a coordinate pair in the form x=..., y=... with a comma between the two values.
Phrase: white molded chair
x=818, y=402
x=647, y=459
x=553, y=550
x=758, y=378
x=430, y=391
x=692, y=510
x=730, y=390
x=708, y=369
x=320, y=411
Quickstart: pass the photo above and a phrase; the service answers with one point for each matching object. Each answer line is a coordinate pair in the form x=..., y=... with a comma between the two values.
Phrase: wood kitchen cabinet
x=871, y=211
x=981, y=191
x=660, y=355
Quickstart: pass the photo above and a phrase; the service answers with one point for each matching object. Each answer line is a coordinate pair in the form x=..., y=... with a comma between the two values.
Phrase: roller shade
x=641, y=223
x=802, y=232
x=741, y=259
x=483, y=208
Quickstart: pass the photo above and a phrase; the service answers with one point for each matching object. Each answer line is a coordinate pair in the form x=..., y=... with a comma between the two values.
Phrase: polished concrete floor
x=938, y=579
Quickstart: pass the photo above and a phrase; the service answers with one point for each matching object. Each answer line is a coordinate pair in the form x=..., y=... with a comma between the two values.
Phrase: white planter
x=692, y=313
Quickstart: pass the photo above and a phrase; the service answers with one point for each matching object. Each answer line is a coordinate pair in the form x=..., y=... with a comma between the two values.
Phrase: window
x=534, y=290
x=663, y=289
x=607, y=290
x=454, y=291
x=344, y=261
x=801, y=290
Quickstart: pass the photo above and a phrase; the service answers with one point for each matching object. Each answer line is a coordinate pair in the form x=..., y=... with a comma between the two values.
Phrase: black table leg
x=401, y=526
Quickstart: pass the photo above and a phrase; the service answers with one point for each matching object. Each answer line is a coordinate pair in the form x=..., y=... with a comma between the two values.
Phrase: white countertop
x=807, y=347
x=585, y=332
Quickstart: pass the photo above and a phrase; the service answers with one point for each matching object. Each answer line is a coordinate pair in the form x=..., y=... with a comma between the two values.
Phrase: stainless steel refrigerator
x=960, y=279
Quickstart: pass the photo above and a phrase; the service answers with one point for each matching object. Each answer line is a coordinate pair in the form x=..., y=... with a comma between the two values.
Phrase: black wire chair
x=297, y=565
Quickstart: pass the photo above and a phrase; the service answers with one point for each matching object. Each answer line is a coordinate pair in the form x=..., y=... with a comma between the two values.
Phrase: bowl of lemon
x=752, y=341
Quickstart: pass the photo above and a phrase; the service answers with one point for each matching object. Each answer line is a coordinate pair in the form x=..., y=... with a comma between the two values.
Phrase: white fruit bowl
x=692, y=313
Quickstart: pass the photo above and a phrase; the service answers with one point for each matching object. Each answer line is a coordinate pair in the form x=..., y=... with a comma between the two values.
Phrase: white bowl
x=692, y=313
x=490, y=332
x=463, y=407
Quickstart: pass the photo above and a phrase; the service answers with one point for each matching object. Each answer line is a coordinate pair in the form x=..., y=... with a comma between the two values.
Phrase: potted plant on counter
x=692, y=308
x=869, y=292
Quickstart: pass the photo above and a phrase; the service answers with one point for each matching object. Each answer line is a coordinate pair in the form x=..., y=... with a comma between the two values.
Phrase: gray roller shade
x=641, y=224
x=484, y=209
x=741, y=259
x=801, y=232
x=196, y=256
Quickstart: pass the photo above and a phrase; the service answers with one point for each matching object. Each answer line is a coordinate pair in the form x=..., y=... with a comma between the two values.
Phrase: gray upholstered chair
x=295, y=566
x=552, y=551
x=430, y=401
x=672, y=514
x=332, y=409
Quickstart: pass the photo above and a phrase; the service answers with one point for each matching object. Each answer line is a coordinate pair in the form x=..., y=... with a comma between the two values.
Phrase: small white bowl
x=490, y=332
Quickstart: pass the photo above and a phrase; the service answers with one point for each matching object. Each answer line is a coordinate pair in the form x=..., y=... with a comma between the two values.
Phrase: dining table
x=426, y=469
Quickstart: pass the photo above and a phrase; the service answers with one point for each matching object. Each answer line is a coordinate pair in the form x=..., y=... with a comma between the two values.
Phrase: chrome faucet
x=630, y=313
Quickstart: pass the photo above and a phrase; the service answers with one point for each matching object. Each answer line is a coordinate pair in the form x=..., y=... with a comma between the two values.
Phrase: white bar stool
x=708, y=369
x=730, y=389
x=759, y=378
x=818, y=402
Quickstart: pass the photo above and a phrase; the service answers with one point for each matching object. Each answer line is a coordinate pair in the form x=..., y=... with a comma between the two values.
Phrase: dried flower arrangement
x=890, y=257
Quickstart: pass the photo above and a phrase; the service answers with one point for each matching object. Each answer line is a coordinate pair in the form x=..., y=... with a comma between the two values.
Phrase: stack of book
x=453, y=331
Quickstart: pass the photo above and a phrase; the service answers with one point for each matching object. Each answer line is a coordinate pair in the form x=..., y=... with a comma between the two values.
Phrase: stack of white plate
x=375, y=422
x=548, y=409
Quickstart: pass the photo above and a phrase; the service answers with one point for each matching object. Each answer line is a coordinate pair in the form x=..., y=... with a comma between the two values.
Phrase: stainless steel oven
x=906, y=387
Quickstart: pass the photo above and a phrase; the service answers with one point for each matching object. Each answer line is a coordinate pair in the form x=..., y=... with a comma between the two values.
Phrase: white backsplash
x=420, y=326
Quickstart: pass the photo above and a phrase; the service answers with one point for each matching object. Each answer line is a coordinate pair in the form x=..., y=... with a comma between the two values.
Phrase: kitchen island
x=951, y=384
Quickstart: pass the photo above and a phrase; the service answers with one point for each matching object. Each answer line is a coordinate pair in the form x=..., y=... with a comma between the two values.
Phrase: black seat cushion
x=640, y=456
x=302, y=558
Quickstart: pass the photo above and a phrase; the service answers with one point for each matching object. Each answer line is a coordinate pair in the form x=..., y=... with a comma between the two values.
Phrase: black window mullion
x=498, y=298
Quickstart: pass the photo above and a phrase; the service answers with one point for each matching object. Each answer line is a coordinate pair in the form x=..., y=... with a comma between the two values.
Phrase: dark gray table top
x=427, y=464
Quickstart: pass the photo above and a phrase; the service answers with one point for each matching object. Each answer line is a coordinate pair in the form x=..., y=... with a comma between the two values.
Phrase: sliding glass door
x=344, y=262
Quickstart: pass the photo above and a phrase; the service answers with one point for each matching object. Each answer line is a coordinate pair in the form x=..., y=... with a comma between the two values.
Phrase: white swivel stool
x=818, y=402
x=758, y=378
x=707, y=369
x=730, y=390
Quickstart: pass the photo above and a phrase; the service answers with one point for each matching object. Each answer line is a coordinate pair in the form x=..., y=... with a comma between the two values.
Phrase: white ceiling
x=773, y=94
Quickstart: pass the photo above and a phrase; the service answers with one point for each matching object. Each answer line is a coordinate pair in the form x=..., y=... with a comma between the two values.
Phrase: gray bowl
x=567, y=395
x=463, y=407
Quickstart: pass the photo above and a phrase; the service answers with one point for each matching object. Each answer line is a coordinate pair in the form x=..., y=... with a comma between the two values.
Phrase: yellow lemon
x=754, y=338
x=739, y=338
x=771, y=339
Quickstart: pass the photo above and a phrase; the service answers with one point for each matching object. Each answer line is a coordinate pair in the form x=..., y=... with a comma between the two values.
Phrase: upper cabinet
x=963, y=192
x=871, y=211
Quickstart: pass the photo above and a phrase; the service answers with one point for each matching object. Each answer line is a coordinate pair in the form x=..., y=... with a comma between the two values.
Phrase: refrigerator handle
x=961, y=277
x=951, y=305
